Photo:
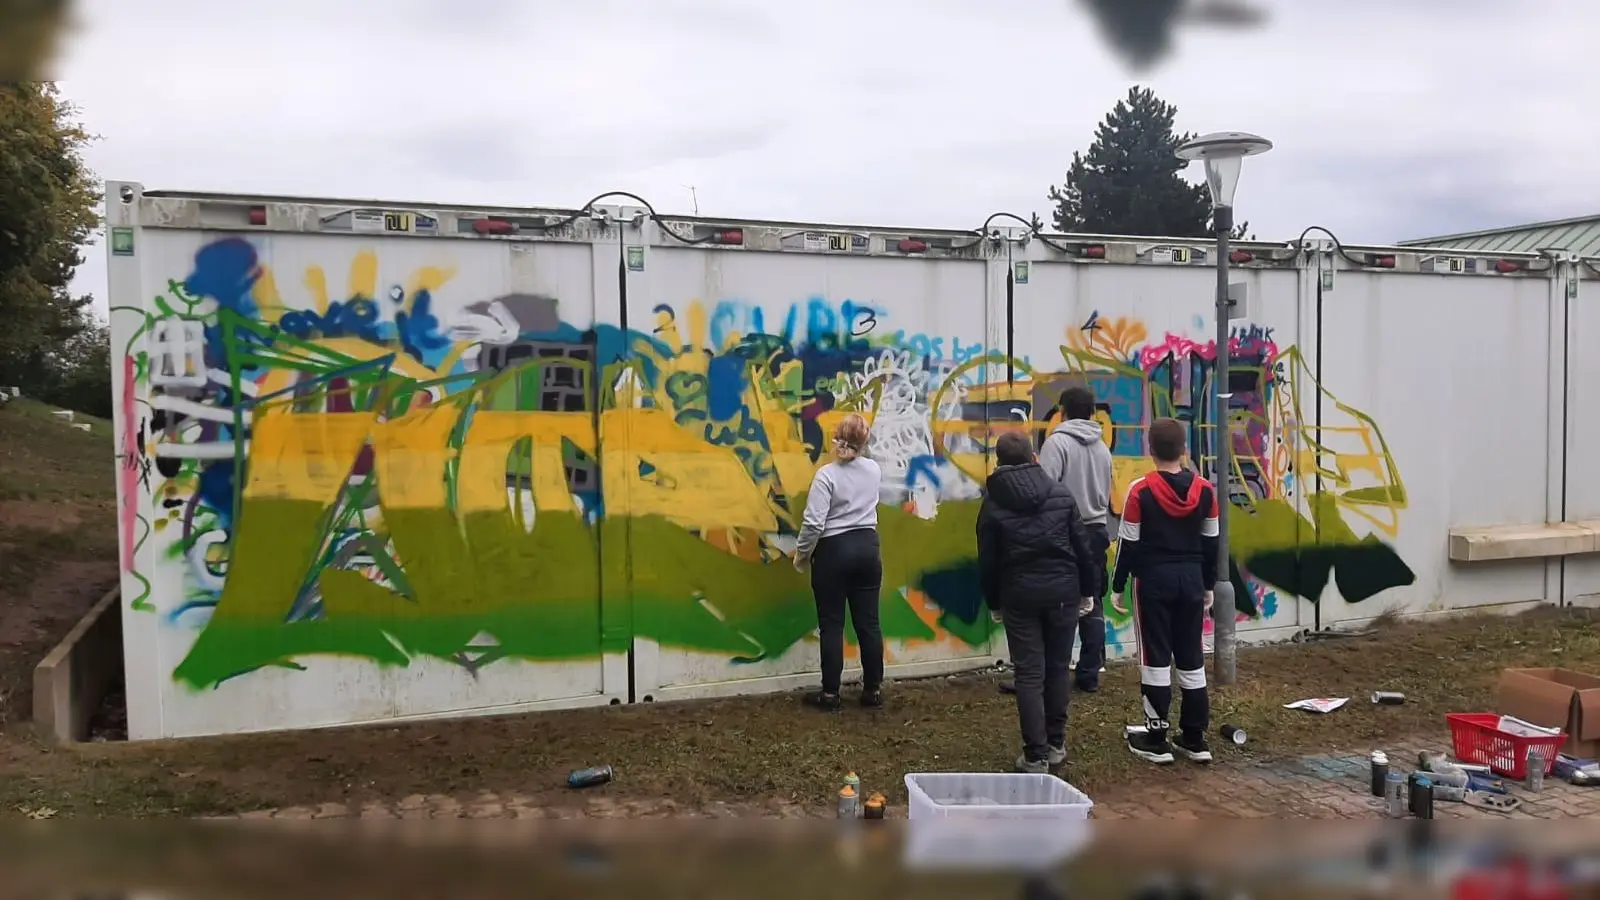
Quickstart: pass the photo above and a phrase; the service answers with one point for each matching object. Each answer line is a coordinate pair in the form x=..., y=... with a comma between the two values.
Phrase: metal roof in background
x=1581, y=236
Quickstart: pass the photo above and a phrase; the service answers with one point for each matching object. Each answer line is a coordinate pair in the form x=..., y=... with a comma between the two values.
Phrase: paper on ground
x=1318, y=704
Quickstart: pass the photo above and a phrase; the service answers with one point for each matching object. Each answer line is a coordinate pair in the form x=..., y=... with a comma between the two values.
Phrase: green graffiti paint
x=1281, y=547
x=533, y=595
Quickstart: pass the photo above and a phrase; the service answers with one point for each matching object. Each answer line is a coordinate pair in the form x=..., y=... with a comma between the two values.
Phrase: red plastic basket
x=1479, y=740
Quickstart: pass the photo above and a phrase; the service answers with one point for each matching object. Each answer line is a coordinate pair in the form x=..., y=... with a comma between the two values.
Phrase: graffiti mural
x=366, y=474
x=1293, y=483
x=358, y=477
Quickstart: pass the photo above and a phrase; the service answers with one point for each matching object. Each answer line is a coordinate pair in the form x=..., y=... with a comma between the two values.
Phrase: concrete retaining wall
x=70, y=683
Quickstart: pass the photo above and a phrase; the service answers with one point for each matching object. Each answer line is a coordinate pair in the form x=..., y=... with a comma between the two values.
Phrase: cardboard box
x=1555, y=698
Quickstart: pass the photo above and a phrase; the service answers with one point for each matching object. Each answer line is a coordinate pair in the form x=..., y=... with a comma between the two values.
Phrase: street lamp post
x=1223, y=154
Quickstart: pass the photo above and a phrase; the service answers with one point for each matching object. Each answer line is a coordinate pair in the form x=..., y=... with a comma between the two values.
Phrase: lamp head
x=1223, y=153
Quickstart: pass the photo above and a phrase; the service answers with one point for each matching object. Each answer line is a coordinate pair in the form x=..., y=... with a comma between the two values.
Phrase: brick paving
x=1331, y=786
x=1334, y=786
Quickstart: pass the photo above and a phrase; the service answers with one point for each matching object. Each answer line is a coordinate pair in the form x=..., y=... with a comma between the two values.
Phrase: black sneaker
x=872, y=699
x=1150, y=747
x=1088, y=687
x=1195, y=748
x=823, y=700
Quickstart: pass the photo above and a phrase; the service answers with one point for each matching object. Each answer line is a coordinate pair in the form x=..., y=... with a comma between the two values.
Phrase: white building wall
x=411, y=470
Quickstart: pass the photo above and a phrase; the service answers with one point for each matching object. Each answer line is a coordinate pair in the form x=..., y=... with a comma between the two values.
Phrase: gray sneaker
x=1058, y=755
x=1030, y=767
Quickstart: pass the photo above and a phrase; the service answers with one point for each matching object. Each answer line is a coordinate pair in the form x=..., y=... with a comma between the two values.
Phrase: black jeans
x=1041, y=652
x=847, y=572
x=1092, y=627
x=1170, y=612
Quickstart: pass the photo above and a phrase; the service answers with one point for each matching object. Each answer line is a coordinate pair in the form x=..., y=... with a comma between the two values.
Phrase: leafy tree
x=1130, y=180
x=48, y=203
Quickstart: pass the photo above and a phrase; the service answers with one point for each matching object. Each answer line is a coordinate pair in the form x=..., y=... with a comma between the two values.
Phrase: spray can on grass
x=594, y=775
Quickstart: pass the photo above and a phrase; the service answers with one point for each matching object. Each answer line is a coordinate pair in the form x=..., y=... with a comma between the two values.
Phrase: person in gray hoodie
x=1076, y=455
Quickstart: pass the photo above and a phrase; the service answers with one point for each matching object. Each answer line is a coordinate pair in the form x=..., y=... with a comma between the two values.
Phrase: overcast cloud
x=1393, y=119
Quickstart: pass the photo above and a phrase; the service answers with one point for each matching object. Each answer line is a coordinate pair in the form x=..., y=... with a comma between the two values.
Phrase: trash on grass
x=1319, y=705
x=590, y=777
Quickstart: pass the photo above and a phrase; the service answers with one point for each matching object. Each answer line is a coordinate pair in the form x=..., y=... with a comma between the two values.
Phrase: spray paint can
x=1380, y=772
x=589, y=777
x=849, y=803
x=1394, y=791
x=875, y=807
x=1233, y=734
x=1536, y=763
x=1421, y=796
x=1388, y=698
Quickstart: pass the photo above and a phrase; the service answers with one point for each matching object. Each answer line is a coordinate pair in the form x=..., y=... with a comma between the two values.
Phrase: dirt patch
x=33, y=623
x=39, y=514
x=770, y=749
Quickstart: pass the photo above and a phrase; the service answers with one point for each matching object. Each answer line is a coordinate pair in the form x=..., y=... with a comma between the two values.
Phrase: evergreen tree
x=1130, y=181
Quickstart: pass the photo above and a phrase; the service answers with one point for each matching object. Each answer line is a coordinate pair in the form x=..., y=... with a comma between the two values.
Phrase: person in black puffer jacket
x=1033, y=564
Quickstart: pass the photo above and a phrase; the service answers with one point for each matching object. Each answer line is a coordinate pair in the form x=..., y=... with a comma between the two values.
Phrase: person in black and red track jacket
x=1168, y=545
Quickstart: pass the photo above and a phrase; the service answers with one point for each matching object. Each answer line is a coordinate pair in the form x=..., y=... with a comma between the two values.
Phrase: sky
x=1392, y=119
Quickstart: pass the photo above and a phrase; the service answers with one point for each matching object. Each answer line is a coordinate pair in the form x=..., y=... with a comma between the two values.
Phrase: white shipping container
x=383, y=461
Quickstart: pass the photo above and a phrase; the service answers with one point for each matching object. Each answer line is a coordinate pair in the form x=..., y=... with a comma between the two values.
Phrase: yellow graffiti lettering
x=265, y=294
x=303, y=457
x=363, y=275
x=430, y=279
x=698, y=325
x=408, y=453
x=689, y=483
x=316, y=284
x=481, y=485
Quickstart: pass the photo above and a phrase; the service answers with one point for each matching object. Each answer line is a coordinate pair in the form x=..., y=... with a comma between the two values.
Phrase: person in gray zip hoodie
x=1076, y=455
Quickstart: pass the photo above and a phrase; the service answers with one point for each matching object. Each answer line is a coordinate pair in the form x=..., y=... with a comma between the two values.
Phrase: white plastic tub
x=984, y=820
x=985, y=795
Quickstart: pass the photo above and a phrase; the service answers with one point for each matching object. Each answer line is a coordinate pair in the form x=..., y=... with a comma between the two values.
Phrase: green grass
x=58, y=536
x=57, y=490
x=44, y=458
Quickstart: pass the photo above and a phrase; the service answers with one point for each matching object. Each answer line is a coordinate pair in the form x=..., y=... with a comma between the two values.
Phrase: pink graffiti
x=1252, y=343
x=128, y=472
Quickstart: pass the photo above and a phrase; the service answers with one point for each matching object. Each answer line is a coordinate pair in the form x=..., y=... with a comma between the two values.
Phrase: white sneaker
x=1028, y=767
